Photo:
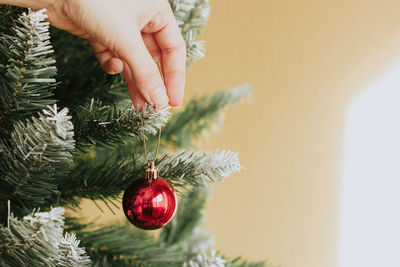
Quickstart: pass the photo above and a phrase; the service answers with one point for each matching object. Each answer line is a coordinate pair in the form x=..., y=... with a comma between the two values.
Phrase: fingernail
x=175, y=106
x=159, y=96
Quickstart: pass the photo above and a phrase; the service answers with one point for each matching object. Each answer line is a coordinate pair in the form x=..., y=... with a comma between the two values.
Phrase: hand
x=128, y=36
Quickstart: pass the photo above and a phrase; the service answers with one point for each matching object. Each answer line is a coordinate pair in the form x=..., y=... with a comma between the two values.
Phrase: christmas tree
x=69, y=132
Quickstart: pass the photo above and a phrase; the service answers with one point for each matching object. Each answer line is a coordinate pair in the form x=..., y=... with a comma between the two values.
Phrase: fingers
x=144, y=70
x=173, y=53
x=161, y=40
x=136, y=96
x=108, y=60
x=152, y=46
x=112, y=65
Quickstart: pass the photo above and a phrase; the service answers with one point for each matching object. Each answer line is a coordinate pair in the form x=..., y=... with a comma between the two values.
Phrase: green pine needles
x=35, y=158
x=75, y=138
x=27, y=78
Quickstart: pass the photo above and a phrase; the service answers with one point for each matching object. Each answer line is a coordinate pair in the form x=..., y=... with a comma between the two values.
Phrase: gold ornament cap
x=151, y=170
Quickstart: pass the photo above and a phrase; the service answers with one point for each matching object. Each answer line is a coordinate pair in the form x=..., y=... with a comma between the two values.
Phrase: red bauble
x=149, y=203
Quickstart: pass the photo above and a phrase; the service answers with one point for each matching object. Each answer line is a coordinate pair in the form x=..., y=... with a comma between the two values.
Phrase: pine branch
x=206, y=259
x=201, y=240
x=184, y=231
x=106, y=180
x=194, y=48
x=31, y=240
x=182, y=10
x=211, y=258
x=70, y=254
x=196, y=17
x=36, y=158
x=27, y=80
x=119, y=245
x=191, y=16
x=200, y=115
x=239, y=262
x=187, y=218
x=7, y=15
x=197, y=117
x=199, y=168
x=103, y=125
x=37, y=241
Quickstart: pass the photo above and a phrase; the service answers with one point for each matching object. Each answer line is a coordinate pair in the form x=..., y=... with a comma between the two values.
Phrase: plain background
x=307, y=61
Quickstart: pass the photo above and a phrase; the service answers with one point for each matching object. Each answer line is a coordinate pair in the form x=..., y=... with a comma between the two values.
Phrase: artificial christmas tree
x=92, y=148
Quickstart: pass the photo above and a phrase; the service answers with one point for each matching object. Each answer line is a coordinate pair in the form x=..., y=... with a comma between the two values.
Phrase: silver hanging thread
x=8, y=213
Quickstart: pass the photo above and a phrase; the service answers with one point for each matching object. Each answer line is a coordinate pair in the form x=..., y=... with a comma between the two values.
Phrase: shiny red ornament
x=149, y=203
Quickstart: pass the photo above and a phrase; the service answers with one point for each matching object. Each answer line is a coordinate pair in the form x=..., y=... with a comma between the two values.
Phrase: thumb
x=144, y=71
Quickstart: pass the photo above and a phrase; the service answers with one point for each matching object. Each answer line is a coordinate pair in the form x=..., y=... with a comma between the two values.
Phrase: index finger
x=173, y=54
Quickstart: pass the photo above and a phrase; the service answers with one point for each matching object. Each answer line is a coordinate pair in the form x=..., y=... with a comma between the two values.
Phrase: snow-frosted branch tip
x=54, y=215
x=241, y=92
x=200, y=166
x=35, y=16
x=210, y=259
x=71, y=253
x=63, y=125
x=153, y=117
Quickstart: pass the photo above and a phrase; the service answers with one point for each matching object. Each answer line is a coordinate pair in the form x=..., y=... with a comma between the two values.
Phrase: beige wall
x=307, y=60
